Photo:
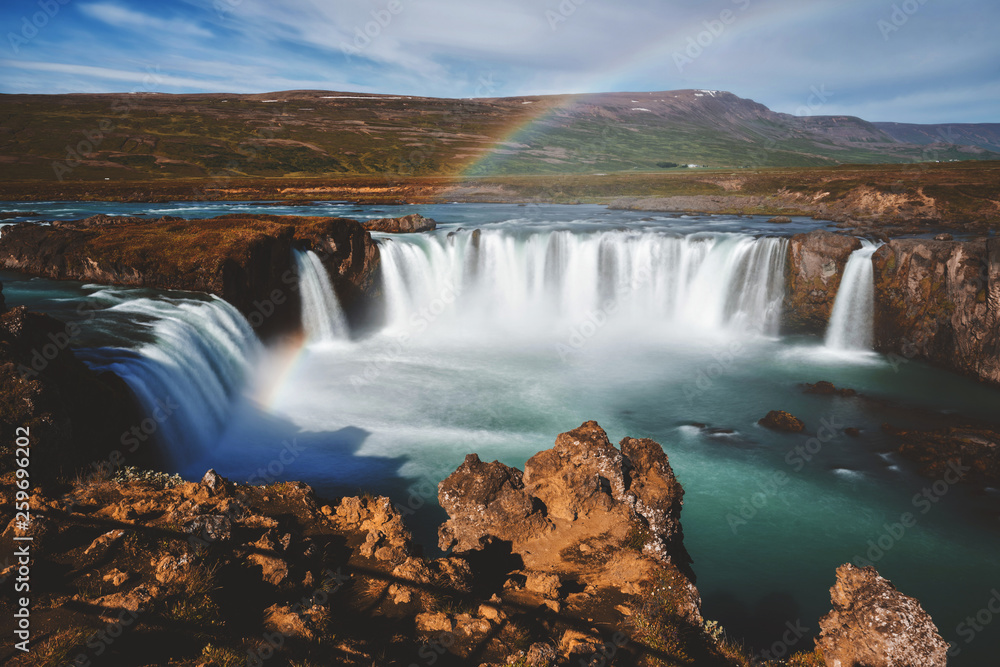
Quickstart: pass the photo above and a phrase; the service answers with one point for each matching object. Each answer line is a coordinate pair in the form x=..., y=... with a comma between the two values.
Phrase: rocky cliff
x=71, y=416
x=246, y=260
x=939, y=301
x=813, y=272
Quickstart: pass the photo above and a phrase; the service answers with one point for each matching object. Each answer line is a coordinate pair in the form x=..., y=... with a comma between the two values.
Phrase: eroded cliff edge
x=939, y=301
x=246, y=260
x=935, y=301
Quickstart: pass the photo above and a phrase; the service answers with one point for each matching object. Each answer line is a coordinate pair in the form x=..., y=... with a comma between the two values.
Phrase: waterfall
x=516, y=280
x=186, y=374
x=322, y=318
x=851, y=322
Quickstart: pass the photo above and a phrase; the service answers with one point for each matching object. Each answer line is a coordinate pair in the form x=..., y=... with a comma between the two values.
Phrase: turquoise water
x=765, y=526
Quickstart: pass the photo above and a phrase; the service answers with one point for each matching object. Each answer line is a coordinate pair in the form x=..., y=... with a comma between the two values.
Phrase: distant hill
x=313, y=133
x=984, y=135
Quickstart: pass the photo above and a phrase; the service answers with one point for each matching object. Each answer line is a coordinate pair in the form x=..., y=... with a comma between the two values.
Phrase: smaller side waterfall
x=851, y=322
x=194, y=364
x=322, y=318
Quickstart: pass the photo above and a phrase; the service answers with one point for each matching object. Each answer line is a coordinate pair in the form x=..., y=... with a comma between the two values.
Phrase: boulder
x=543, y=583
x=116, y=577
x=825, y=388
x=274, y=570
x=874, y=625
x=583, y=473
x=779, y=420
x=487, y=500
x=780, y=220
x=210, y=527
x=215, y=483
x=294, y=621
x=101, y=545
x=434, y=622
x=583, y=510
x=540, y=654
x=170, y=569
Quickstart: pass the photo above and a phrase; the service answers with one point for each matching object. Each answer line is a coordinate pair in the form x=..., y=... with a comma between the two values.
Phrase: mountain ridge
x=320, y=133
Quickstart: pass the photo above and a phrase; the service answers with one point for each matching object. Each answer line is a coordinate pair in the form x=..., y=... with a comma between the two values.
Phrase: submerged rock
x=874, y=625
x=825, y=388
x=954, y=453
x=779, y=420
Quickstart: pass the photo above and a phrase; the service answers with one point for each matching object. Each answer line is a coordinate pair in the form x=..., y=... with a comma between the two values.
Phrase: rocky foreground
x=579, y=559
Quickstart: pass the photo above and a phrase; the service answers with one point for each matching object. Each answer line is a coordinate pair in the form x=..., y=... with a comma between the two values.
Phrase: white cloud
x=151, y=79
x=123, y=17
x=775, y=51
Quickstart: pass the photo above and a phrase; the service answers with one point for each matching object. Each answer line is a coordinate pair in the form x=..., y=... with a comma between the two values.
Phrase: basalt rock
x=71, y=415
x=407, y=224
x=874, y=625
x=970, y=452
x=488, y=500
x=939, y=301
x=583, y=510
x=779, y=420
x=824, y=388
x=246, y=260
x=813, y=273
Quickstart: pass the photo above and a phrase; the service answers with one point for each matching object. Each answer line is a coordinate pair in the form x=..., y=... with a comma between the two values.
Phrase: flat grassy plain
x=963, y=194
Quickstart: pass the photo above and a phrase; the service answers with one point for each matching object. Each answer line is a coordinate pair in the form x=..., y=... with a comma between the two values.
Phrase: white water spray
x=851, y=324
x=322, y=318
x=541, y=281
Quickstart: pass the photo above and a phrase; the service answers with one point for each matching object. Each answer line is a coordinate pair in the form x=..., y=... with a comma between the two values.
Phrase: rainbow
x=749, y=22
x=543, y=108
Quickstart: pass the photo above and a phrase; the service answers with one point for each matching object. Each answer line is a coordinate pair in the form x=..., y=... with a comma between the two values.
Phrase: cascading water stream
x=541, y=281
x=322, y=318
x=851, y=324
x=188, y=375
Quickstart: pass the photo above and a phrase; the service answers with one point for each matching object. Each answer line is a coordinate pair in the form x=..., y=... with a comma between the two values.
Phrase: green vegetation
x=659, y=624
x=218, y=137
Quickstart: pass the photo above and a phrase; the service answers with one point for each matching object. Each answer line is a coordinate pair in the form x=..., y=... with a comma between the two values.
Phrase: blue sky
x=921, y=61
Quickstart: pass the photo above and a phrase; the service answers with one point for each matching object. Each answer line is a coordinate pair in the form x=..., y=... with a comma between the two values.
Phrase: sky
x=918, y=61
